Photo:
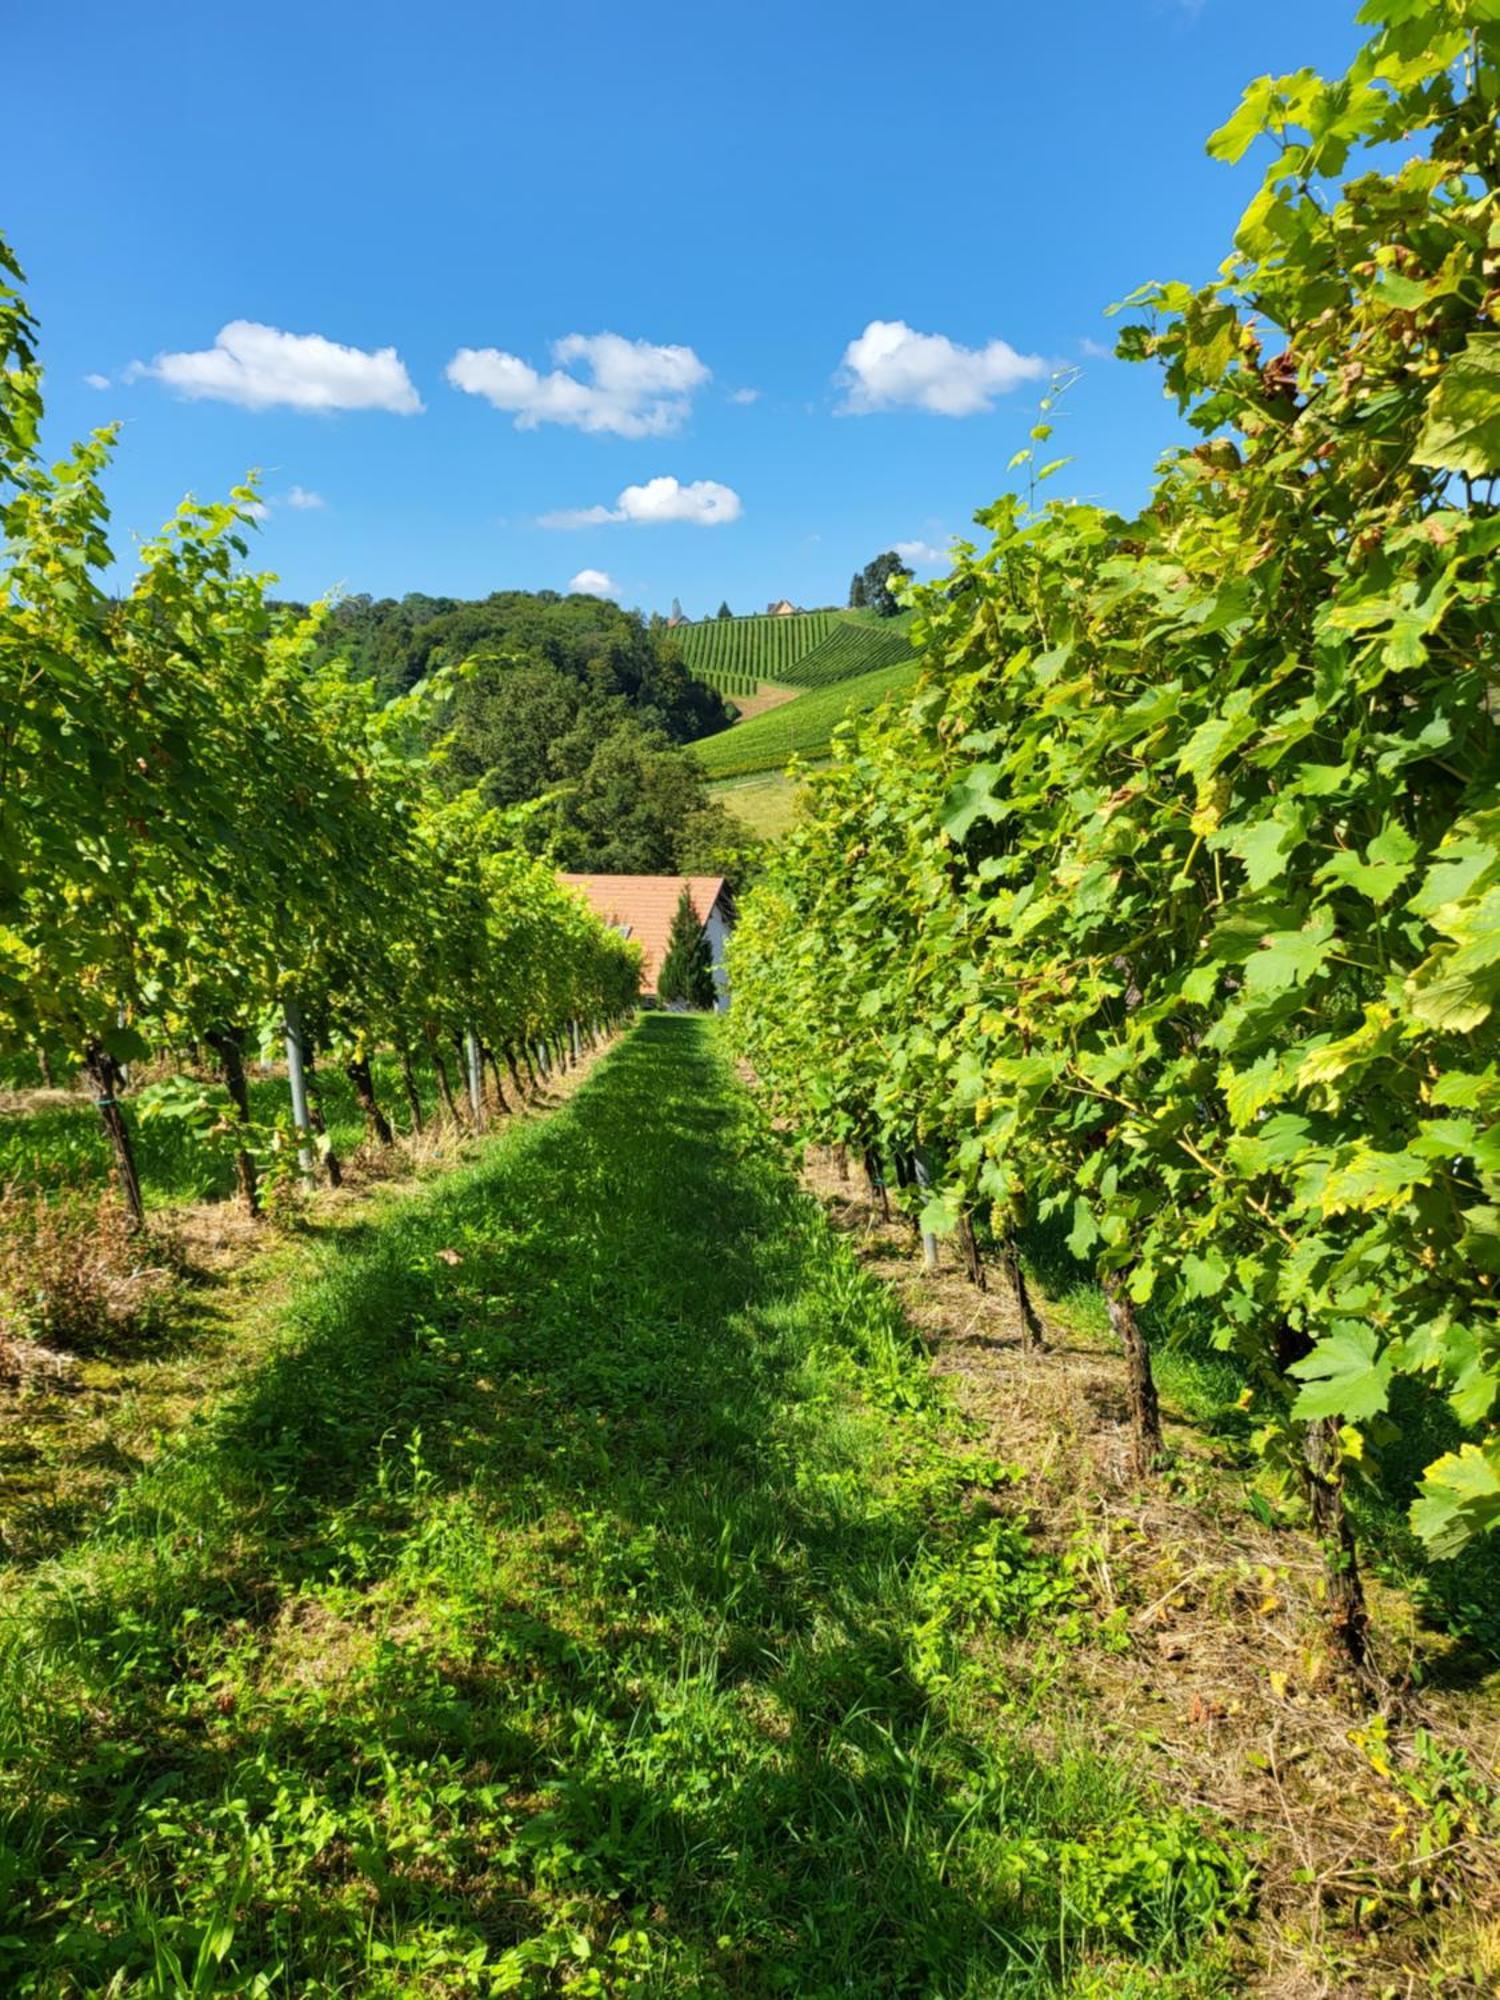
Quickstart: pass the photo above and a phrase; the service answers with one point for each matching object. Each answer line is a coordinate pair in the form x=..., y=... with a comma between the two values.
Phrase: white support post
x=929, y=1241
x=296, y=1076
x=472, y=1064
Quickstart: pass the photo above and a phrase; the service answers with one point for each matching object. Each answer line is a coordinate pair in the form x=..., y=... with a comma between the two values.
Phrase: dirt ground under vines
x=1376, y=1823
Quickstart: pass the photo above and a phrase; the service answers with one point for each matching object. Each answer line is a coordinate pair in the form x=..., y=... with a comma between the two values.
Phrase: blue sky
x=840, y=245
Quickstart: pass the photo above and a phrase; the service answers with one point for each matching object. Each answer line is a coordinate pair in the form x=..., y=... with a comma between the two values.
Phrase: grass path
x=68, y=1444
x=589, y=1594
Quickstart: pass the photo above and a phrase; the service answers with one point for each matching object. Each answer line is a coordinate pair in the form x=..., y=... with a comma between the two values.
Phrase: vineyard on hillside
x=738, y=685
x=855, y=645
x=971, y=1474
x=763, y=648
x=806, y=650
x=798, y=728
x=1169, y=912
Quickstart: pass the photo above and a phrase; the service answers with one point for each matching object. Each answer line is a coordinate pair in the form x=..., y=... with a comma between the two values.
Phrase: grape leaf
x=1462, y=431
x=1344, y=1376
x=1460, y=1498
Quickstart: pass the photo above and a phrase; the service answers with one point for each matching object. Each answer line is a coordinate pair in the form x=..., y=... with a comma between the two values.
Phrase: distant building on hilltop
x=678, y=616
x=782, y=608
x=642, y=907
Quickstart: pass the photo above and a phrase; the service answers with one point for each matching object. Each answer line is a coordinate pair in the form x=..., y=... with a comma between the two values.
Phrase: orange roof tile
x=644, y=905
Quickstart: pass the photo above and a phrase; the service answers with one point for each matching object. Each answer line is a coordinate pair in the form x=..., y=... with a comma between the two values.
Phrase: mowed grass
x=802, y=727
x=766, y=803
x=588, y=1594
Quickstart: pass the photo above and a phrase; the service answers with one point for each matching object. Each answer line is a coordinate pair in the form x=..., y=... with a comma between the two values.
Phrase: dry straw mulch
x=1377, y=1828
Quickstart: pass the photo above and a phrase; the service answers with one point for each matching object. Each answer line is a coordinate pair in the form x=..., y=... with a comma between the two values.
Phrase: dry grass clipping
x=1378, y=1833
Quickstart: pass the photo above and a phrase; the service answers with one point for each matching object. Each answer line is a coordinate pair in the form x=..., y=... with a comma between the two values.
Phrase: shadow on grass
x=551, y=1577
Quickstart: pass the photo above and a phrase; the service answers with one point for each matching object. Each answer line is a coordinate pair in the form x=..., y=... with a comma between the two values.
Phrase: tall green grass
x=590, y=1595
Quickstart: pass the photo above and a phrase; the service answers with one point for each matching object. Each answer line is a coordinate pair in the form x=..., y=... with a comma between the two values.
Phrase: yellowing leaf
x=1460, y=1498
x=1462, y=431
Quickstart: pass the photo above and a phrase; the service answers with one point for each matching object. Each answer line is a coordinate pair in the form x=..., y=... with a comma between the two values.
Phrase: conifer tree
x=687, y=974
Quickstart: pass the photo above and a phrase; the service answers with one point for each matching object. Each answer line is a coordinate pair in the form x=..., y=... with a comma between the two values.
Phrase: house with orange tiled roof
x=642, y=907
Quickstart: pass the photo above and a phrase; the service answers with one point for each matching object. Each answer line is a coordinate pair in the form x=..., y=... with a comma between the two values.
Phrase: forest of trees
x=570, y=704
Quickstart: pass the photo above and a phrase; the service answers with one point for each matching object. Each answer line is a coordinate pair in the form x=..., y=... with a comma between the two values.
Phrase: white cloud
x=891, y=366
x=298, y=497
x=703, y=502
x=595, y=583
x=579, y=517
x=744, y=395
x=1096, y=349
x=922, y=555
x=97, y=381
x=262, y=368
x=629, y=387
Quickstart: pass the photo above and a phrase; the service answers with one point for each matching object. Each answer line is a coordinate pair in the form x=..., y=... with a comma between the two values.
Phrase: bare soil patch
x=766, y=696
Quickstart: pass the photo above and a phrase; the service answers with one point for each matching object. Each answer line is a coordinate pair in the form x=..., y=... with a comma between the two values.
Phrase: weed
x=72, y=1277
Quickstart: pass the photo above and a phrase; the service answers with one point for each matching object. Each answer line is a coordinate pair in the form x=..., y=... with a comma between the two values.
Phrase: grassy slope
x=586, y=1594
x=802, y=727
x=766, y=802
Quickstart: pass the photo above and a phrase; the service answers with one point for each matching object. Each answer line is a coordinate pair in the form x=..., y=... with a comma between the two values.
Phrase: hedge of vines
x=200, y=828
x=1171, y=903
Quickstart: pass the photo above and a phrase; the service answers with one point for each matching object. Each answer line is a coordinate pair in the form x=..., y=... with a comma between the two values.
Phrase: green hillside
x=808, y=649
x=766, y=801
x=763, y=648
x=854, y=645
x=801, y=727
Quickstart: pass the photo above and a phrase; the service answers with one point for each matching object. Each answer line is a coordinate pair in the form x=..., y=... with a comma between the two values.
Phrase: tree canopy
x=570, y=704
x=871, y=588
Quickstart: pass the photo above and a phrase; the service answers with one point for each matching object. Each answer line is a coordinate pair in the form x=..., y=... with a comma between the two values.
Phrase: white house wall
x=716, y=930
